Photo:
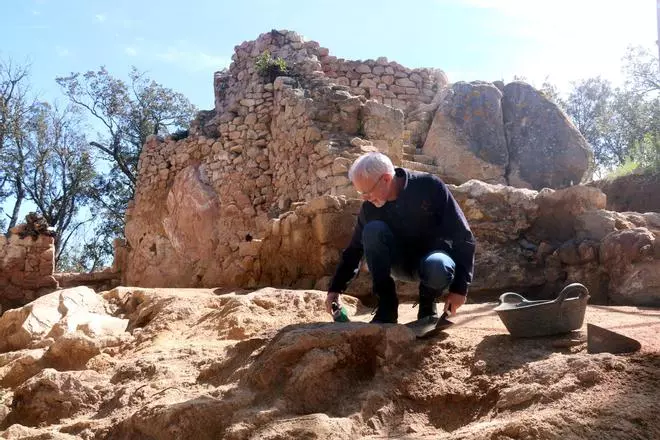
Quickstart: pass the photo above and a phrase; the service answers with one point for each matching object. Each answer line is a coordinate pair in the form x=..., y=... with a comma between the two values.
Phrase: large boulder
x=182, y=250
x=20, y=328
x=466, y=137
x=545, y=149
x=314, y=365
x=192, y=208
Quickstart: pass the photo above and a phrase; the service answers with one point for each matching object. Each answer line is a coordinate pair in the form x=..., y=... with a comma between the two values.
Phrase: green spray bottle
x=339, y=313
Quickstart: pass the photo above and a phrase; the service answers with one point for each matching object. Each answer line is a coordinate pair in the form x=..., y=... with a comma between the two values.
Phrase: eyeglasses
x=368, y=193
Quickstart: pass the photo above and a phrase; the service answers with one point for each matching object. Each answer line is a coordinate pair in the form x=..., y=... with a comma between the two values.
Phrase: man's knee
x=374, y=233
x=437, y=270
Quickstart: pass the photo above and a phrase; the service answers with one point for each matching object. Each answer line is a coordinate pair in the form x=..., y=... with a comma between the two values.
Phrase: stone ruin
x=138, y=362
x=258, y=193
x=27, y=265
x=27, y=258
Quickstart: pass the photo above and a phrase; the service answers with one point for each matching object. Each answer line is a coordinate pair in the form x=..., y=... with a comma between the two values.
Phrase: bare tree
x=60, y=170
x=14, y=108
x=128, y=113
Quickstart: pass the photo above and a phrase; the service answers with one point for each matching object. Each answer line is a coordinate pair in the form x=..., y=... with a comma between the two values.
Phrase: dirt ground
x=270, y=364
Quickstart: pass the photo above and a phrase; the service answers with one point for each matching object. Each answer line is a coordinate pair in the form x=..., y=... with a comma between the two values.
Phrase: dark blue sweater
x=425, y=217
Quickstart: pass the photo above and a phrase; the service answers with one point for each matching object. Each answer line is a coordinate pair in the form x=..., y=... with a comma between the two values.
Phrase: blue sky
x=181, y=43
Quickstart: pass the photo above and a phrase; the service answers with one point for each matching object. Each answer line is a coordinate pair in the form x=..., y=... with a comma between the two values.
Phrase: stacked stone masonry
x=386, y=82
x=26, y=267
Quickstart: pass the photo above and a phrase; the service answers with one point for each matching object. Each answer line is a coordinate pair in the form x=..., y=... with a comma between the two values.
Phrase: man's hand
x=329, y=299
x=453, y=302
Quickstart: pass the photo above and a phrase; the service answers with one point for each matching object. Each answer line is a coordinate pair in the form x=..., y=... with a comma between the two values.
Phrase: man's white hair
x=371, y=165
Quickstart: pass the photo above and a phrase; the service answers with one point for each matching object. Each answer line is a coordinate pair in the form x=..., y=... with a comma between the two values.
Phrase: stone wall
x=530, y=242
x=635, y=192
x=99, y=281
x=385, y=81
x=27, y=262
x=268, y=145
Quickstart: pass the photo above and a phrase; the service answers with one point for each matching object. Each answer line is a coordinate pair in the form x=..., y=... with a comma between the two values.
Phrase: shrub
x=270, y=67
x=629, y=167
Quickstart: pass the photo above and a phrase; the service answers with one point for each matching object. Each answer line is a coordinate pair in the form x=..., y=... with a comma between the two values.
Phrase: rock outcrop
x=545, y=150
x=513, y=136
x=54, y=315
x=466, y=137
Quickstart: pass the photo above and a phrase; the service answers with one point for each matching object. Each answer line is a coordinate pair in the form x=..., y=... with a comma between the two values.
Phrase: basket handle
x=511, y=298
x=571, y=288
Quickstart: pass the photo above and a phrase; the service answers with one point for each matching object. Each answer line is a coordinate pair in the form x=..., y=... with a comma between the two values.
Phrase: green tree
x=59, y=170
x=590, y=105
x=87, y=253
x=643, y=84
x=623, y=125
x=127, y=113
x=551, y=92
x=640, y=66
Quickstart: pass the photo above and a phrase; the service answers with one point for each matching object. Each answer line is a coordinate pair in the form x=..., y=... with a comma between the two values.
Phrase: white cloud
x=130, y=51
x=565, y=39
x=62, y=51
x=100, y=18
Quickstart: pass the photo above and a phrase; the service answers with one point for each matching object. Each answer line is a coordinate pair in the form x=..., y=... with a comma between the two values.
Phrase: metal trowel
x=429, y=326
x=443, y=322
x=600, y=340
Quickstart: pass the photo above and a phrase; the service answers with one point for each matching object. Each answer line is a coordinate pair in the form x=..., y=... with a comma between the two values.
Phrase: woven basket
x=526, y=319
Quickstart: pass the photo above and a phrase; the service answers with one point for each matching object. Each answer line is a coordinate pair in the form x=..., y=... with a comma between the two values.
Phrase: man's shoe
x=384, y=319
x=427, y=306
x=387, y=311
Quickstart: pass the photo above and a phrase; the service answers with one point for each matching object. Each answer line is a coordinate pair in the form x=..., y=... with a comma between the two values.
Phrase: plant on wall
x=270, y=67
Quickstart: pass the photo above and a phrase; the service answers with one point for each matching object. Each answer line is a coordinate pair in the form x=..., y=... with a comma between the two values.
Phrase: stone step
x=410, y=157
x=417, y=166
x=422, y=158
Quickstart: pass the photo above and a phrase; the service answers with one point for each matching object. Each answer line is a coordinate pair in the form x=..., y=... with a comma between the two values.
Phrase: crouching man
x=410, y=228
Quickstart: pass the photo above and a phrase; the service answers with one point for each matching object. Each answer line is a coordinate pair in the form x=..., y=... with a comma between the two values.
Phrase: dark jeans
x=386, y=258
